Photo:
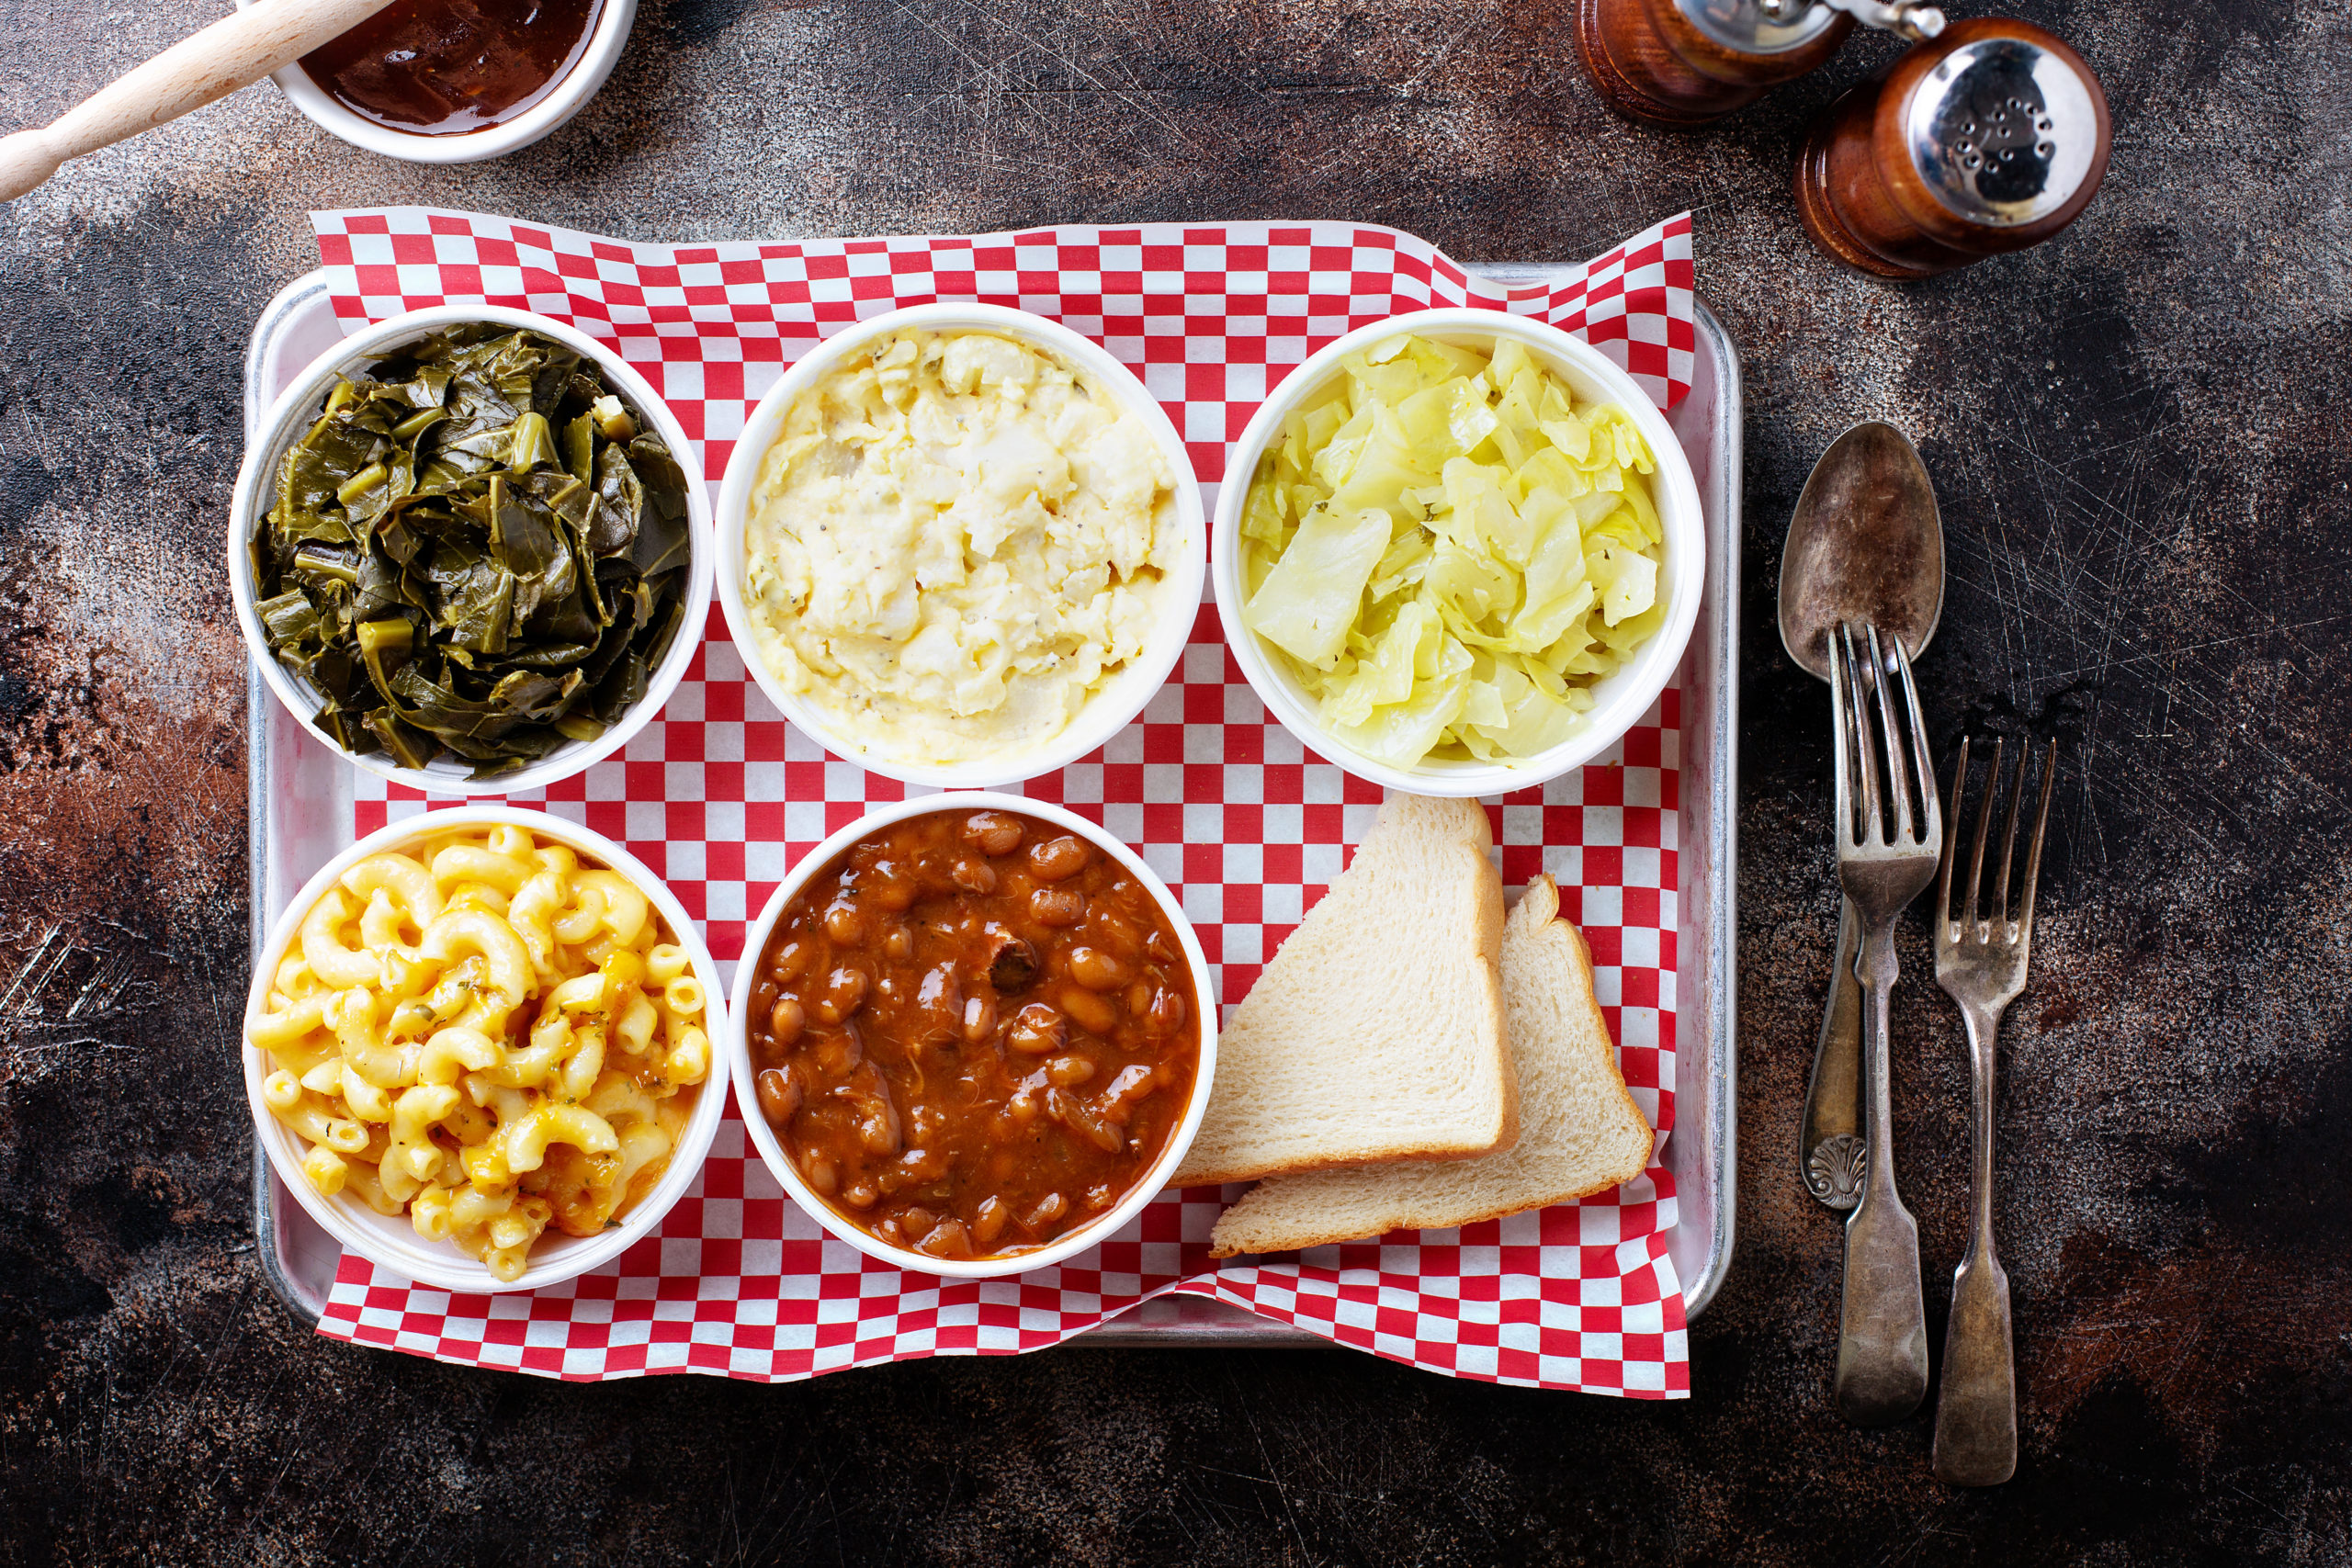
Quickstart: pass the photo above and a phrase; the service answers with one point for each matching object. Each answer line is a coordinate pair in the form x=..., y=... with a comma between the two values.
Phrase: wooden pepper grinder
x=1684, y=62
x=1990, y=139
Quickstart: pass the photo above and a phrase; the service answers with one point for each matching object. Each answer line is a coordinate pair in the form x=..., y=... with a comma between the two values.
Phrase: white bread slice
x=1581, y=1135
x=1376, y=1033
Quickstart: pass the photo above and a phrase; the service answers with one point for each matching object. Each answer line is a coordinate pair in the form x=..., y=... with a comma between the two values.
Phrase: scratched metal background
x=2142, y=435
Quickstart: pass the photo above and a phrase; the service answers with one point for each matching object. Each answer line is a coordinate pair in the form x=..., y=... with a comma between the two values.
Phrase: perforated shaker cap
x=2003, y=131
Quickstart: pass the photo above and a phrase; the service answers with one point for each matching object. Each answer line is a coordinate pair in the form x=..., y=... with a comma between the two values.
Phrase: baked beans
x=972, y=1031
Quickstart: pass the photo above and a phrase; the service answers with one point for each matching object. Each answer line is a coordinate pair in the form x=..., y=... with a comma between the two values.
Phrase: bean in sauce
x=972, y=1031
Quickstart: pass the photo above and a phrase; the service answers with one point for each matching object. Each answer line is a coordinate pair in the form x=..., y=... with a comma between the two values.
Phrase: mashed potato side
x=957, y=540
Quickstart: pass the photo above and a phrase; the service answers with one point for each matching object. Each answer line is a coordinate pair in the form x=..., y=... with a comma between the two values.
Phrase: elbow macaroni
x=487, y=1035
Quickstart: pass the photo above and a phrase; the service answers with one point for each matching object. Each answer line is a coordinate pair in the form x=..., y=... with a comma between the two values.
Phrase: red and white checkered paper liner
x=720, y=796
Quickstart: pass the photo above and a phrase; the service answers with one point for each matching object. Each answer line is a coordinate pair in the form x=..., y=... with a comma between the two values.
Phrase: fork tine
x=1923, y=758
x=1863, y=755
x=2009, y=831
x=2033, y=853
x=1840, y=717
x=1898, y=782
x=1952, y=848
x=1983, y=825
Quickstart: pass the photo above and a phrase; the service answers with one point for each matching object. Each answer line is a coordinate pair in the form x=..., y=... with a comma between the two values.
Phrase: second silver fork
x=1981, y=958
x=1886, y=856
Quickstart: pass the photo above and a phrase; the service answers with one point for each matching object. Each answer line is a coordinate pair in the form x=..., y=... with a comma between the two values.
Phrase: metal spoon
x=1866, y=544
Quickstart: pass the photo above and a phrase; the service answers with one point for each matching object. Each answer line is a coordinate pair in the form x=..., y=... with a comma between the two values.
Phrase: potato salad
x=954, y=543
x=1447, y=550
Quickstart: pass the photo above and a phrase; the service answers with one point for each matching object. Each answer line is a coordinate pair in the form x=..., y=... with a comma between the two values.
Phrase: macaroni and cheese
x=488, y=1033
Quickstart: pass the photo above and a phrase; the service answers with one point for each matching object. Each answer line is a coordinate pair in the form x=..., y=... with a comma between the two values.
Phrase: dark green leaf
x=564, y=496
x=410, y=747
x=536, y=698
x=580, y=449
x=523, y=537
x=580, y=726
x=662, y=546
x=349, y=731
x=620, y=503
x=290, y=618
x=477, y=608
x=428, y=386
x=337, y=673
x=380, y=589
x=665, y=482
x=621, y=686
x=666, y=614
x=553, y=657
x=447, y=713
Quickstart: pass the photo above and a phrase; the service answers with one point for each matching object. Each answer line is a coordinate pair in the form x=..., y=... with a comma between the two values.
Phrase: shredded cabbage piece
x=1315, y=590
x=1446, y=549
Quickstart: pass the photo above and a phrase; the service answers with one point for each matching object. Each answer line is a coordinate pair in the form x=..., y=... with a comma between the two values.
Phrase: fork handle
x=1976, y=1410
x=1882, y=1324
x=1829, y=1144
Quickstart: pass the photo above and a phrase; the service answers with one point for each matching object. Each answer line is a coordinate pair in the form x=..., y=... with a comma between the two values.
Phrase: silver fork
x=1882, y=865
x=1981, y=963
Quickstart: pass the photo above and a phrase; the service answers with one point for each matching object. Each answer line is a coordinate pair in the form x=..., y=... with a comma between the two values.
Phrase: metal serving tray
x=298, y=799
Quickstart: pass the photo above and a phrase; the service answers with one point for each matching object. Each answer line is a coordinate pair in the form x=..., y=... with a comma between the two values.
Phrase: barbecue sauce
x=447, y=67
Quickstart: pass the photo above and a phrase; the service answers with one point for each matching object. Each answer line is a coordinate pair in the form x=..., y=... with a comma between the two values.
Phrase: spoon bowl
x=1866, y=544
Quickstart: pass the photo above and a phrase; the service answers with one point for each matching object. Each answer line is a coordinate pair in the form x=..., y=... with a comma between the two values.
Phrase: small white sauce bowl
x=389, y=1241
x=1121, y=697
x=746, y=1072
x=1619, y=699
x=293, y=413
x=565, y=98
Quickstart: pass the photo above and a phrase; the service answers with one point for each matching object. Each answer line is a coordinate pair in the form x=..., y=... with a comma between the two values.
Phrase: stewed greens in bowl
x=469, y=550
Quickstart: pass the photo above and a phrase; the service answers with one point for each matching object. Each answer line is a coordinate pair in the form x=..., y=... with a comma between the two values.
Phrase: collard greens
x=1447, y=551
x=475, y=550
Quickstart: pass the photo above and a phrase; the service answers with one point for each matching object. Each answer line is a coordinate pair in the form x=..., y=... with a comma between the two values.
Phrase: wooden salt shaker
x=1989, y=139
x=1687, y=61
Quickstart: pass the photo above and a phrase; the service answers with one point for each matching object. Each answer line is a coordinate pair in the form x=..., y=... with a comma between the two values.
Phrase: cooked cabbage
x=1447, y=551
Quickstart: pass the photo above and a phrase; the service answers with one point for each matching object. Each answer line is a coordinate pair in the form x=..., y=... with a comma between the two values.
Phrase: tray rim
x=1216, y=1324
x=1723, y=817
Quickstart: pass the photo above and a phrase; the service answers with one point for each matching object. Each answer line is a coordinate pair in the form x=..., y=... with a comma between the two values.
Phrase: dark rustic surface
x=2143, y=442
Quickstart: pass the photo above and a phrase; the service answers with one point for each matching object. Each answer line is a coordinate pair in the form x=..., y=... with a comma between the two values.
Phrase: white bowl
x=293, y=412
x=746, y=1074
x=390, y=1241
x=569, y=96
x=1121, y=697
x=1620, y=698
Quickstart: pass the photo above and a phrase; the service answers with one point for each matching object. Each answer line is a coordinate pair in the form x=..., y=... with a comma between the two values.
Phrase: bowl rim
x=439, y=1263
x=1148, y=1187
x=569, y=97
x=248, y=506
x=1100, y=719
x=1654, y=666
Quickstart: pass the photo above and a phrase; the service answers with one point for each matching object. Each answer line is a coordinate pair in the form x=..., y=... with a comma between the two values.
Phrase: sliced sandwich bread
x=1581, y=1132
x=1376, y=1033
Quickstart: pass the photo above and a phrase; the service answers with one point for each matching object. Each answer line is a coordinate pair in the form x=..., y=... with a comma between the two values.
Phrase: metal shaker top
x=1775, y=26
x=1759, y=27
x=2003, y=132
